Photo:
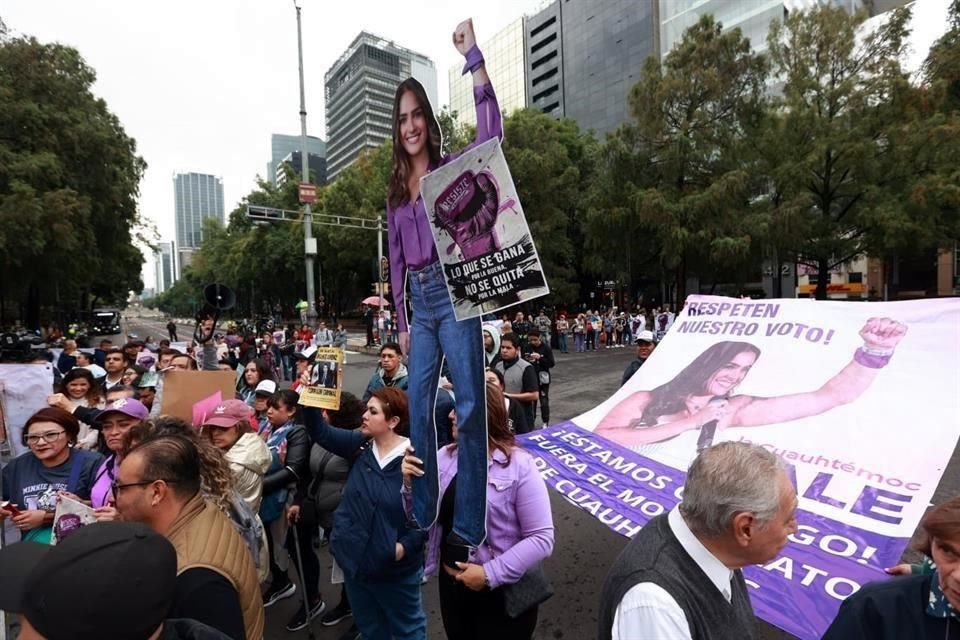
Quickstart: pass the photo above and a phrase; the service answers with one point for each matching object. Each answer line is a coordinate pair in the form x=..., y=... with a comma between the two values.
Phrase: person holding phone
x=33, y=481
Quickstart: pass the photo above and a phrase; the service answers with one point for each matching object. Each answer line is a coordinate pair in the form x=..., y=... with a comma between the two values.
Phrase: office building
x=544, y=60
x=505, y=62
x=583, y=57
x=317, y=168
x=166, y=268
x=359, y=90
x=197, y=197
x=752, y=18
x=282, y=146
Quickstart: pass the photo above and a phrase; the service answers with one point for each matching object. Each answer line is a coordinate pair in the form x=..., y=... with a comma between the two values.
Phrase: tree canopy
x=69, y=178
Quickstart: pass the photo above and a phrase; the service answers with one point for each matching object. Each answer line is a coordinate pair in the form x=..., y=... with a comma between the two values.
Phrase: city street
x=584, y=548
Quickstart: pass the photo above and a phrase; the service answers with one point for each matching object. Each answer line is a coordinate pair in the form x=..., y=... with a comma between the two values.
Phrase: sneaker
x=277, y=592
x=302, y=618
x=335, y=615
x=352, y=633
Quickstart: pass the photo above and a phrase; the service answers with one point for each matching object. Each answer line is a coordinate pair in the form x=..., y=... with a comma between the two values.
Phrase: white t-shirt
x=648, y=611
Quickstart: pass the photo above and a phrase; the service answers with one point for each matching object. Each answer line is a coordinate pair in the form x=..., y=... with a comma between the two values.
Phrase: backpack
x=250, y=529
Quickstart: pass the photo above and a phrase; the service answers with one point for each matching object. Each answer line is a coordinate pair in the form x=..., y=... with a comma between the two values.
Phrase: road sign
x=308, y=193
x=384, y=269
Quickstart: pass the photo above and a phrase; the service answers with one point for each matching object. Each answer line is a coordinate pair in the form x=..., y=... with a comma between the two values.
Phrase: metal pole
x=305, y=170
x=380, y=282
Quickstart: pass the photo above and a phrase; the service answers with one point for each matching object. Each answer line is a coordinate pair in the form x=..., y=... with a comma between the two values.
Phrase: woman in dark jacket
x=289, y=447
x=314, y=505
x=920, y=607
x=380, y=553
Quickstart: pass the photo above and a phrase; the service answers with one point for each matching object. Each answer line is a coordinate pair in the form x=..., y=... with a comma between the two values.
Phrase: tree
x=843, y=104
x=548, y=160
x=616, y=241
x=69, y=179
x=694, y=114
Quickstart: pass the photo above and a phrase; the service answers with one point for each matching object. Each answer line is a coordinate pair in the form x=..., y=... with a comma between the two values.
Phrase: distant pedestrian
x=172, y=330
x=645, y=345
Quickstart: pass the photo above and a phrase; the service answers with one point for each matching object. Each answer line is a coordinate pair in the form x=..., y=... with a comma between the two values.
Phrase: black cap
x=107, y=580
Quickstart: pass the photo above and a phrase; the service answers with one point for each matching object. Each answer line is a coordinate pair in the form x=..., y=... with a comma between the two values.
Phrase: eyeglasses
x=115, y=486
x=47, y=436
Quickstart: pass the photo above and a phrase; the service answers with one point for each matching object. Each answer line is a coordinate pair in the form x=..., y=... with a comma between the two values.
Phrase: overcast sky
x=202, y=85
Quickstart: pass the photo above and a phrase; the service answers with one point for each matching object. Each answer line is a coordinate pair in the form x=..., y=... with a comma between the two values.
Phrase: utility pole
x=309, y=242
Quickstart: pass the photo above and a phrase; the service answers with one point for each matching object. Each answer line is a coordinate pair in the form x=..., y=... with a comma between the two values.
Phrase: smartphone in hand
x=6, y=505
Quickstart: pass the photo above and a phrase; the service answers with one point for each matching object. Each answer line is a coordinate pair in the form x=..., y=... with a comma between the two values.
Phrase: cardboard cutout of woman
x=434, y=332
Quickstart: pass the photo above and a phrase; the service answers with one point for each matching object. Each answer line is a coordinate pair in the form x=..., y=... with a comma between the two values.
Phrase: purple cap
x=126, y=406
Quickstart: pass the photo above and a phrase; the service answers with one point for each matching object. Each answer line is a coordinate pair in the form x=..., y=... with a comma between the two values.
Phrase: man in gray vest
x=680, y=577
x=520, y=382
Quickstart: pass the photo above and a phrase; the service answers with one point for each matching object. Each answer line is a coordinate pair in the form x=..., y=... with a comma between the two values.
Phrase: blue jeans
x=435, y=333
x=388, y=609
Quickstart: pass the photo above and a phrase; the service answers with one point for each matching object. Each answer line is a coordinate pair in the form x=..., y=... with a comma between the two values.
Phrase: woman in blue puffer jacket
x=380, y=553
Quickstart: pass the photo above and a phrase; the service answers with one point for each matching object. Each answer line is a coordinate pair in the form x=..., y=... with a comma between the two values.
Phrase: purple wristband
x=474, y=60
x=869, y=360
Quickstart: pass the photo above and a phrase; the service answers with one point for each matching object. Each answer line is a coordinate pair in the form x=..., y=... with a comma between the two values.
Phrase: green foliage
x=674, y=179
x=69, y=180
x=548, y=160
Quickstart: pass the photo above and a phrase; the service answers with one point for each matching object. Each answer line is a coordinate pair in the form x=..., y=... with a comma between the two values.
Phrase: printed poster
x=69, y=517
x=25, y=390
x=842, y=391
x=326, y=379
x=488, y=256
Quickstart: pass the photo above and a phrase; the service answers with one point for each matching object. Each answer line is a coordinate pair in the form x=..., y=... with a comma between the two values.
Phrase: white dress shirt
x=647, y=611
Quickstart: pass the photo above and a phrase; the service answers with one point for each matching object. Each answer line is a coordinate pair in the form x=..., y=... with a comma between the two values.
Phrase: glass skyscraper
x=503, y=54
x=359, y=90
x=197, y=196
x=583, y=57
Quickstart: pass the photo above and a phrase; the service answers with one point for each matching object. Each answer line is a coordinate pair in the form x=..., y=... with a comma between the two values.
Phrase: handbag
x=533, y=589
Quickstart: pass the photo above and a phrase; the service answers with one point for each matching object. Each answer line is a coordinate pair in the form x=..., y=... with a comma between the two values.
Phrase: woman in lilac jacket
x=435, y=331
x=519, y=537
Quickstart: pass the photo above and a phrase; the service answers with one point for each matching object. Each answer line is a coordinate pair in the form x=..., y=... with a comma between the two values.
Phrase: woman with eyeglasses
x=32, y=481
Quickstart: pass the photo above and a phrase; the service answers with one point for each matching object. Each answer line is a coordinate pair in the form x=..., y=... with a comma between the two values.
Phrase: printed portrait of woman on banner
x=703, y=395
x=434, y=331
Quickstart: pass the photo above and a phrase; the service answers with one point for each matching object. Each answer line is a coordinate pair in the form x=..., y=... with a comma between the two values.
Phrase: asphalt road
x=584, y=548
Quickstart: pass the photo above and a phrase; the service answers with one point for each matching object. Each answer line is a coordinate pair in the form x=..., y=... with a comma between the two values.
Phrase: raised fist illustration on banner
x=467, y=210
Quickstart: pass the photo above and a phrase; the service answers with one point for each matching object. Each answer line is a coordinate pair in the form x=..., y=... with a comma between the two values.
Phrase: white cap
x=96, y=370
x=268, y=387
x=645, y=336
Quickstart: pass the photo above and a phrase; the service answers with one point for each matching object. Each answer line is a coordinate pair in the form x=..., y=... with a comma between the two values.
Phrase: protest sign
x=860, y=398
x=69, y=517
x=488, y=256
x=183, y=389
x=326, y=380
x=25, y=391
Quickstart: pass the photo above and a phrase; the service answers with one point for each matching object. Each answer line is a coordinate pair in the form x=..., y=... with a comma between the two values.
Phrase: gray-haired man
x=680, y=577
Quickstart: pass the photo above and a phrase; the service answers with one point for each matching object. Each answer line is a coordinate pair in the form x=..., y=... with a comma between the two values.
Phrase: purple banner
x=799, y=591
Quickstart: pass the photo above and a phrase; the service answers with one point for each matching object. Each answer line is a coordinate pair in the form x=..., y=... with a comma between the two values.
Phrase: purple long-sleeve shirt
x=519, y=520
x=410, y=240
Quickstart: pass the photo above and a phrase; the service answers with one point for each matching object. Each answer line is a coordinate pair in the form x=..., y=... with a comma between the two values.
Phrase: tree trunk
x=823, y=278
x=681, y=276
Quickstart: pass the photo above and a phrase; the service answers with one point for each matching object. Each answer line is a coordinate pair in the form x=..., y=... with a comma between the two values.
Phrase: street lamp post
x=309, y=242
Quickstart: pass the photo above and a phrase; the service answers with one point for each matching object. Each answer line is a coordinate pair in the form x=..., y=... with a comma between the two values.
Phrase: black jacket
x=297, y=467
x=892, y=609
